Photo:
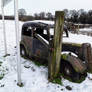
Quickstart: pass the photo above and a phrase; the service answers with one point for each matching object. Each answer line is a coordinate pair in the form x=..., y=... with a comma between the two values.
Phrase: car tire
x=67, y=69
x=23, y=51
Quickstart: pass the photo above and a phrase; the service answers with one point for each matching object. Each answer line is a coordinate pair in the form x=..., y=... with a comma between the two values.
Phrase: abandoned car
x=36, y=42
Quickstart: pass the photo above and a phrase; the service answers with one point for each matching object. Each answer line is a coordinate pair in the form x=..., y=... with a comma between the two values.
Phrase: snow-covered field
x=34, y=78
x=86, y=29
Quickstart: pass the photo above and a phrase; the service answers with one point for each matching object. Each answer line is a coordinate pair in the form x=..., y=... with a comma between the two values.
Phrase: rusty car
x=36, y=42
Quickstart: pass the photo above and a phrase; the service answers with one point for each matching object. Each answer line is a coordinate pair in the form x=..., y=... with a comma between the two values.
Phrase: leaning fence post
x=55, y=54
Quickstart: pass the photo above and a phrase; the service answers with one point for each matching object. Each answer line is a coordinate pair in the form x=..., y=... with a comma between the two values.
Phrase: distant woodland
x=74, y=16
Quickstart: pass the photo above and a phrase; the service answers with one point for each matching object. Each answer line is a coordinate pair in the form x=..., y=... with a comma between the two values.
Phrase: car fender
x=77, y=64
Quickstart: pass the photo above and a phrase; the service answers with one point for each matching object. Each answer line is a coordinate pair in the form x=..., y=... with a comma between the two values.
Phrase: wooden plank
x=55, y=55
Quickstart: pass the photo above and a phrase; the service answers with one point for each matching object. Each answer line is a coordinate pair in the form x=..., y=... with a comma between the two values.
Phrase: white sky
x=33, y=6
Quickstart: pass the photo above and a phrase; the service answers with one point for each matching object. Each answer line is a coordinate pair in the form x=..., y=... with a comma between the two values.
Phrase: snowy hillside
x=34, y=78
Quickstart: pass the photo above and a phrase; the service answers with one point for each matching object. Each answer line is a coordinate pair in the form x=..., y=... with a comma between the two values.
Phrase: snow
x=45, y=21
x=78, y=38
x=34, y=78
x=86, y=29
x=67, y=52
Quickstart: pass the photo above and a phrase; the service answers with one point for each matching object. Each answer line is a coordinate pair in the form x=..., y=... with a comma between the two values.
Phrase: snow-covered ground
x=78, y=38
x=86, y=29
x=34, y=78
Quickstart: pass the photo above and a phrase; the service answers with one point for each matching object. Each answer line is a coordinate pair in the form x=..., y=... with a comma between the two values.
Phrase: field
x=34, y=78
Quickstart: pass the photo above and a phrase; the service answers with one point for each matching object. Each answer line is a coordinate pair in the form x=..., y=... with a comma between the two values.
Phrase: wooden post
x=87, y=54
x=55, y=54
x=78, y=28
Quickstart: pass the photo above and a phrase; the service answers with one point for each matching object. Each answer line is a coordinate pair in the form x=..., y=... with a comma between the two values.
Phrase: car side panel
x=39, y=49
x=27, y=42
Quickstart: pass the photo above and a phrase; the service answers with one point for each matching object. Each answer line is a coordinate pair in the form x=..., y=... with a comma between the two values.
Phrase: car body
x=36, y=41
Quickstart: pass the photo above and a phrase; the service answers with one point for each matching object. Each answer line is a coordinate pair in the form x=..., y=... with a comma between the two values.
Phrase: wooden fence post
x=87, y=54
x=55, y=55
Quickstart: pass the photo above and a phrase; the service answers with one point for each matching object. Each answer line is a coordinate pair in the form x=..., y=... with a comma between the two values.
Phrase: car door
x=40, y=45
x=27, y=40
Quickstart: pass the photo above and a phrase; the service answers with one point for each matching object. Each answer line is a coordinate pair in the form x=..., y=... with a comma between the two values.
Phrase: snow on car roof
x=45, y=22
x=32, y=24
x=37, y=23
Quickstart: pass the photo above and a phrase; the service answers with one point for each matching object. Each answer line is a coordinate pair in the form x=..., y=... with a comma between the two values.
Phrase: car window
x=27, y=31
x=51, y=31
x=45, y=32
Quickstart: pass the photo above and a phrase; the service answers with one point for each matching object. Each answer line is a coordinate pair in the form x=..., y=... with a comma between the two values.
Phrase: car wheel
x=67, y=70
x=23, y=51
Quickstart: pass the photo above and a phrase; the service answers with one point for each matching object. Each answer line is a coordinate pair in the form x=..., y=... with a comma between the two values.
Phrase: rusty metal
x=36, y=46
x=87, y=55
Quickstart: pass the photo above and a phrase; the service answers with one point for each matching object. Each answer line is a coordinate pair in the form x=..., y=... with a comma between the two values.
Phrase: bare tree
x=74, y=16
x=49, y=16
x=66, y=12
x=42, y=15
x=22, y=12
x=80, y=11
x=36, y=16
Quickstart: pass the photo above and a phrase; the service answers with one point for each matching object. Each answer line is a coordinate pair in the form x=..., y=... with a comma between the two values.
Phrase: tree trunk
x=55, y=55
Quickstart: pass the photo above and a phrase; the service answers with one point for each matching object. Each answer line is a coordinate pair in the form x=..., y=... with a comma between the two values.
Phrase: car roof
x=37, y=23
x=40, y=24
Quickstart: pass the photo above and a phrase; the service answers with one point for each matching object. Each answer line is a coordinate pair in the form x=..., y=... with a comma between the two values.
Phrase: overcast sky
x=32, y=6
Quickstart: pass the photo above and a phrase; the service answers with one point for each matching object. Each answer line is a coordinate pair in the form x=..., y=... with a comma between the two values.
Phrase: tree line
x=75, y=16
x=78, y=16
x=37, y=16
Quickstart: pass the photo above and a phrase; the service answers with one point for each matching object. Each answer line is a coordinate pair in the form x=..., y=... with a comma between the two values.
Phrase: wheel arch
x=23, y=45
x=75, y=62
